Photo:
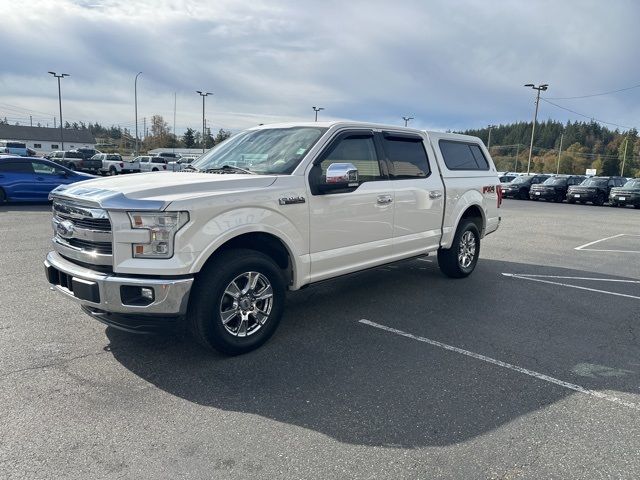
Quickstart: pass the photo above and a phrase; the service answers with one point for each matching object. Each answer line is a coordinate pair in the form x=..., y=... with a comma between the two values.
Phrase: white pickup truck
x=215, y=247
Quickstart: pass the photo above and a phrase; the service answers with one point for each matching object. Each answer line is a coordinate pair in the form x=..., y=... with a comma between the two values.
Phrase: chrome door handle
x=384, y=199
x=435, y=194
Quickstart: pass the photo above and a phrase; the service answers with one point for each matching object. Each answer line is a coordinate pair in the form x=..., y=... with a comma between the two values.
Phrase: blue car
x=31, y=179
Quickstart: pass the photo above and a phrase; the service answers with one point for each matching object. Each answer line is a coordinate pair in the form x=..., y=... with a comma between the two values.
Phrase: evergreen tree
x=188, y=138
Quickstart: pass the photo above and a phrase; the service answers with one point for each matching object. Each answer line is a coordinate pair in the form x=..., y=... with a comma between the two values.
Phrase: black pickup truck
x=595, y=190
x=74, y=160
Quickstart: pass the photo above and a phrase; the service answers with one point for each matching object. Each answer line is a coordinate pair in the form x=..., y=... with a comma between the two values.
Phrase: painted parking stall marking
x=546, y=279
x=585, y=249
x=478, y=356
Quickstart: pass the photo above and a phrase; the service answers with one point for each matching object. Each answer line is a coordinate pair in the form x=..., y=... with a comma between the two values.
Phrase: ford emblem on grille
x=65, y=229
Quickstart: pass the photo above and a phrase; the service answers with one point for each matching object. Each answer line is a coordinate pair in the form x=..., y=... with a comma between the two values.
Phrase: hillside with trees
x=584, y=145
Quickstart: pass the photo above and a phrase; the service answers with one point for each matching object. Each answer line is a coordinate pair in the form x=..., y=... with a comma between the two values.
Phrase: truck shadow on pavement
x=25, y=207
x=325, y=371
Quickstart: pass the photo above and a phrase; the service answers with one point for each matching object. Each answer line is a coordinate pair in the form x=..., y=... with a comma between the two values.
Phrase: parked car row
x=618, y=191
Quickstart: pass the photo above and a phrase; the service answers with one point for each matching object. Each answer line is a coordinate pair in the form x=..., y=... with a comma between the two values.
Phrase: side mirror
x=340, y=176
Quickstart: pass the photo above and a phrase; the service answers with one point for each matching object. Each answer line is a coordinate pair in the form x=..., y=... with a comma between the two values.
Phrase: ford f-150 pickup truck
x=215, y=247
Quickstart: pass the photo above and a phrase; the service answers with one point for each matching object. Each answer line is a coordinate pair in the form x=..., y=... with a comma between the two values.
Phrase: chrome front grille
x=82, y=233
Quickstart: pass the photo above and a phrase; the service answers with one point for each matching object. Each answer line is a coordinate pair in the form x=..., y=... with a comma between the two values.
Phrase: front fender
x=223, y=227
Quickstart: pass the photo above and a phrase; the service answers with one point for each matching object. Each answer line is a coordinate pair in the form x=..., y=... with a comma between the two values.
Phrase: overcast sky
x=450, y=64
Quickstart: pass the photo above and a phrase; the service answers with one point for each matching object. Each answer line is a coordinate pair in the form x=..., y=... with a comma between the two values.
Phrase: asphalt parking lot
x=530, y=368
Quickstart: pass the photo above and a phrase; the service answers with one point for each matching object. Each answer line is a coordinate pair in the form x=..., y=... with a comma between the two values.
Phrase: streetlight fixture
x=539, y=88
x=406, y=120
x=489, y=139
x=204, y=134
x=59, y=76
x=317, y=109
x=135, y=93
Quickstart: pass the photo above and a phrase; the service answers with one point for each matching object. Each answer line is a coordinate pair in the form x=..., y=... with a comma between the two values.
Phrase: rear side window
x=16, y=167
x=407, y=157
x=158, y=160
x=463, y=156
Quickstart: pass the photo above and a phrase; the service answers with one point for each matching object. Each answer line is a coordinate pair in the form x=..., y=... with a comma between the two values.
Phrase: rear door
x=17, y=180
x=418, y=193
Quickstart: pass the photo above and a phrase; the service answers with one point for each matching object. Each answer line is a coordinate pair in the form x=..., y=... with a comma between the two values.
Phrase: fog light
x=147, y=293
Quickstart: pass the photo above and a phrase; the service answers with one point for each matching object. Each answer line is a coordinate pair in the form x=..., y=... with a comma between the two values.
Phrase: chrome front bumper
x=110, y=293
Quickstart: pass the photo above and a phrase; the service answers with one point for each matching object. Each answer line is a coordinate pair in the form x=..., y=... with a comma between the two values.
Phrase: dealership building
x=44, y=139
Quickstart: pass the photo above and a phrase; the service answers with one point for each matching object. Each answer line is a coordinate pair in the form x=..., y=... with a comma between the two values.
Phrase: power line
x=591, y=117
x=596, y=94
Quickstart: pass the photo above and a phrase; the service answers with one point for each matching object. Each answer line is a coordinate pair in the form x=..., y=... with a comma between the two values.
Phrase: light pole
x=539, y=88
x=135, y=95
x=317, y=109
x=406, y=120
x=624, y=155
x=559, y=153
x=59, y=76
x=489, y=139
x=204, y=133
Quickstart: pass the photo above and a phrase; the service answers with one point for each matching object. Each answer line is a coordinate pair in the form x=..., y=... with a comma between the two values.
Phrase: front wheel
x=600, y=199
x=3, y=196
x=237, y=302
x=461, y=259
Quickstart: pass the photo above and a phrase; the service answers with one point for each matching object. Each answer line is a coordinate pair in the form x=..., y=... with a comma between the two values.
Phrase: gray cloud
x=451, y=64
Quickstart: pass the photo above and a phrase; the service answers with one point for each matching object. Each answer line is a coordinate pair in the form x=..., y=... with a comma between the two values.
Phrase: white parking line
x=573, y=278
x=500, y=363
x=530, y=278
x=584, y=247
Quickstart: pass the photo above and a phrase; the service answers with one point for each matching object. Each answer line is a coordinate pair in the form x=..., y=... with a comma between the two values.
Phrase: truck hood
x=156, y=190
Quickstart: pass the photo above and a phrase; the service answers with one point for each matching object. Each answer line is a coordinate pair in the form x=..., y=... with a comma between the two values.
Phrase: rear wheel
x=523, y=195
x=112, y=171
x=154, y=169
x=461, y=259
x=559, y=197
x=237, y=302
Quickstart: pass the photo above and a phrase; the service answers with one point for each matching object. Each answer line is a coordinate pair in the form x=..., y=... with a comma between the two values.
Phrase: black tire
x=571, y=200
x=154, y=170
x=3, y=196
x=448, y=260
x=209, y=296
x=636, y=206
x=112, y=171
x=599, y=201
x=559, y=197
x=523, y=195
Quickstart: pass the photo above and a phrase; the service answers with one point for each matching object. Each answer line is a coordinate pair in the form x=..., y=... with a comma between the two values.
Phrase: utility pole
x=135, y=94
x=31, y=120
x=406, y=120
x=144, y=128
x=317, y=109
x=539, y=88
x=175, y=140
x=489, y=139
x=54, y=122
x=204, y=132
x=624, y=155
x=62, y=75
x=559, y=153
x=517, y=153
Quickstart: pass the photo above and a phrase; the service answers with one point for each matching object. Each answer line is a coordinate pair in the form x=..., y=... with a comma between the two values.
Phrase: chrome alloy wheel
x=467, y=249
x=246, y=304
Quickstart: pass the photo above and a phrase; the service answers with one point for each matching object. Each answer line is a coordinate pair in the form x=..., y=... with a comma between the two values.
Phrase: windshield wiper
x=190, y=168
x=228, y=169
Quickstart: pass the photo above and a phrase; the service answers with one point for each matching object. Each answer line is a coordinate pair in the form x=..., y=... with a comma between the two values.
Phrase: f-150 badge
x=290, y=200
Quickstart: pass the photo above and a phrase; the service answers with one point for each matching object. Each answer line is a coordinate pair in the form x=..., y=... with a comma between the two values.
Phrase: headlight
x=162, y=228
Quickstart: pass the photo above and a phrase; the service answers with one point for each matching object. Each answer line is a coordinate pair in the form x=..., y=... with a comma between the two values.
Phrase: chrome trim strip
x=79, y=254
x=76, y=211
x=171, y=296
x=86, y=234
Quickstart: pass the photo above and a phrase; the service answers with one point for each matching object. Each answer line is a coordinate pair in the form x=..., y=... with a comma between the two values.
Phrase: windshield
x=594, y=182
x=632, y=184
x=264, y=151
x=521, y=180
x=555, y=181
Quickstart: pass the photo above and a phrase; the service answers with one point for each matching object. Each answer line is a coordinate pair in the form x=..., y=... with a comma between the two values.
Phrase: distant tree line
x=584, y=145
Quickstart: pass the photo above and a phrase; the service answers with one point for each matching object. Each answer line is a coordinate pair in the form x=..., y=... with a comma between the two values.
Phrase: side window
x=54, y=146
x=407, y=157
x=359, y=150
x=43, y=169
x=37, y=145
x=611, y=183
x=16, y=167
x=462, y=156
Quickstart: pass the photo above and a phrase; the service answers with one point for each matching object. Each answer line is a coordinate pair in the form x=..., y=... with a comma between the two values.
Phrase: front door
x=352, y=229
